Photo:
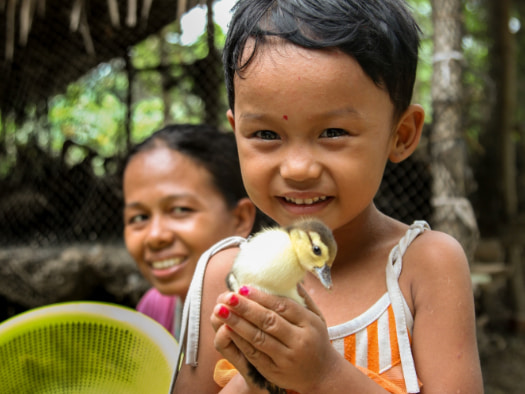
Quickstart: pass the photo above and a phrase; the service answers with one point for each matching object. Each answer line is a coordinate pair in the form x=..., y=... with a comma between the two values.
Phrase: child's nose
x=159, y=234
x=300, y=166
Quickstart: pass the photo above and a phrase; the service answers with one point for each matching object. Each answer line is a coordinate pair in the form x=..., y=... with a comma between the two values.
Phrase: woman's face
x=172, y=214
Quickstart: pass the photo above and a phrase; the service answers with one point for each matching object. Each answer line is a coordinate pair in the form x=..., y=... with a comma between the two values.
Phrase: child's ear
x=407, y=133
x=245, y=214
x=231, y=118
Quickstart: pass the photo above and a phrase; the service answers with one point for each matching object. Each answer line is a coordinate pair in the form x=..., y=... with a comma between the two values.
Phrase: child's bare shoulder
x=436, y=248
x=436, y=262
x=218, y=267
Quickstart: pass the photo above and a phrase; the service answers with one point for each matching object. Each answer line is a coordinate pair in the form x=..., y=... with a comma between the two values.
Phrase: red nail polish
x=224, y=312
x=244, y=290
x=234, y=300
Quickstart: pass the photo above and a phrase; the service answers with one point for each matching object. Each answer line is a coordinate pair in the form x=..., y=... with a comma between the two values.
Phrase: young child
x=320, y=98
x=183, y=192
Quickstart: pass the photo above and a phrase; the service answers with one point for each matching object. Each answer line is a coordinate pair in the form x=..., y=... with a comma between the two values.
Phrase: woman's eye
x=266, y=135
x=332, y=133
x=137, y=218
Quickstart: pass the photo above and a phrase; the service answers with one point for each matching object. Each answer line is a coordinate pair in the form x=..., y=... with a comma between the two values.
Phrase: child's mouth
x=305, y=201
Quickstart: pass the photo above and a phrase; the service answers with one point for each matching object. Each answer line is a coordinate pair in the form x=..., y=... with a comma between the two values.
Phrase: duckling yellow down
x=275, y=260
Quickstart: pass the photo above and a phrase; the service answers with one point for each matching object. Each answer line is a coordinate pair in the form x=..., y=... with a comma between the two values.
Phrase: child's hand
x=286, y=342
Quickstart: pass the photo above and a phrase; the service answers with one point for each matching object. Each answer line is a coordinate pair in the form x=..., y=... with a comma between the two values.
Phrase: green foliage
x=92, y=111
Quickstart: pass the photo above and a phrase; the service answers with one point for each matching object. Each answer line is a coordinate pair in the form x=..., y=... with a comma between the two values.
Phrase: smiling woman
x=183, y=192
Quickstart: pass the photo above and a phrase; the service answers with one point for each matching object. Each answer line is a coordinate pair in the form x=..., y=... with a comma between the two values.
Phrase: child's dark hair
x=381, y=35
x=215, y=150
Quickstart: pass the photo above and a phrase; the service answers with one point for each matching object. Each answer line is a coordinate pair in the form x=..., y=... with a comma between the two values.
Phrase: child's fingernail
x=244, y=290
x=234, y=300
x=223, y=312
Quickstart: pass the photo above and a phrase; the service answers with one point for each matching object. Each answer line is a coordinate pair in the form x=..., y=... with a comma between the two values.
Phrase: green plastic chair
x=85, y=347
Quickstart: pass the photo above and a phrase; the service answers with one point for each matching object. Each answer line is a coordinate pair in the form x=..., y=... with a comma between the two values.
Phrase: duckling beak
x=324, y=275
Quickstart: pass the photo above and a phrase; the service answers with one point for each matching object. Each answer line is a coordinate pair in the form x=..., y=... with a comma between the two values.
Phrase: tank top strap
x=189, y=330
x=403, y=322
x=396, y=254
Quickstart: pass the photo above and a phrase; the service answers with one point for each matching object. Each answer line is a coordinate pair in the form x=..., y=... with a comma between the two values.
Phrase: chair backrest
x=85, y=347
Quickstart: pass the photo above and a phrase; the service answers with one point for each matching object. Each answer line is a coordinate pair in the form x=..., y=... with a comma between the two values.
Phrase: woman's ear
x=245, y=214
x=408, y=133
x=231, y=118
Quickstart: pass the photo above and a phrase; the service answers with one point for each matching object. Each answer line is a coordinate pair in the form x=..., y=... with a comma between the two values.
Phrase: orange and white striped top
x=377, y=341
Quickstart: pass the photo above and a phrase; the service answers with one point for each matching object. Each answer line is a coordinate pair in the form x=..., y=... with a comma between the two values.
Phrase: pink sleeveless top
x=166, y=310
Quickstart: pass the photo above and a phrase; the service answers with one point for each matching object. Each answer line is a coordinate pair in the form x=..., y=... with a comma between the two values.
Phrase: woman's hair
x=215, y=150
x=381, y=35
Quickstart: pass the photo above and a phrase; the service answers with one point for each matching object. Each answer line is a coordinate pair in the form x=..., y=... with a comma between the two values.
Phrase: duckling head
x=315, y=247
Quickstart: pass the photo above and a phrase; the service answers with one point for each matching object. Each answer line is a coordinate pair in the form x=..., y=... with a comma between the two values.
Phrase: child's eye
x=332, y=133
x=266, y=135
x=179, y=210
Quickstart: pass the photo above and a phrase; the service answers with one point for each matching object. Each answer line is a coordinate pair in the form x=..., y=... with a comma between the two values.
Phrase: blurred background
x=83, y=80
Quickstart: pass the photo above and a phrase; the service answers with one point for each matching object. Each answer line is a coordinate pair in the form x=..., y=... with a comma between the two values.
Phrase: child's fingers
x=277, y=348
x=224, y=345
x=260, y=325
x=269, y=324
x=257, y=344
x=215, y=323
x=288, y=309
x=233, y=348
x=241, y=352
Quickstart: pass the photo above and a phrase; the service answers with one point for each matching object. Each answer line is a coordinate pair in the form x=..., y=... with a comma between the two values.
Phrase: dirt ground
x=503, y=362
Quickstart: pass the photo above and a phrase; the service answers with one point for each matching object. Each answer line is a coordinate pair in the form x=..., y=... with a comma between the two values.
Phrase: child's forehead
x=276, y=51
x=279, y=45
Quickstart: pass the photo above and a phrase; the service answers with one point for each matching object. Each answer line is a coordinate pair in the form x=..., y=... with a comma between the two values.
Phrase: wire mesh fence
x=60, y=169
x=47, y=203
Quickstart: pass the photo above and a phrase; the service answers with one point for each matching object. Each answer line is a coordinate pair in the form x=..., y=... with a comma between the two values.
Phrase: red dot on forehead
x=285, y=117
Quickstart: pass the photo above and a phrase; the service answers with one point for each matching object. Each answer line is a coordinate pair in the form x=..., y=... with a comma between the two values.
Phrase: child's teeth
x=305, y=201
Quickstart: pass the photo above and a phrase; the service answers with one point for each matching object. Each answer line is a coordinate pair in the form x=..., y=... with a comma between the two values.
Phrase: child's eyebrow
x=329, y=114
x=341, y=111
x=252, y=115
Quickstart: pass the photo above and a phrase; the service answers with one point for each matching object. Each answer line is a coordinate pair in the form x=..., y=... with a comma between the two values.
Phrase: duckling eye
x=317, y=250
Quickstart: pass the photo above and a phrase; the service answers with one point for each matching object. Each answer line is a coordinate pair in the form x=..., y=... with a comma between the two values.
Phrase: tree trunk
x=505, y=75
x=503, y=129
x=453, y=212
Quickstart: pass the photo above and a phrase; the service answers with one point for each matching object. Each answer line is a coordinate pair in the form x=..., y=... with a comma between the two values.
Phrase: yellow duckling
x=275, y=260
